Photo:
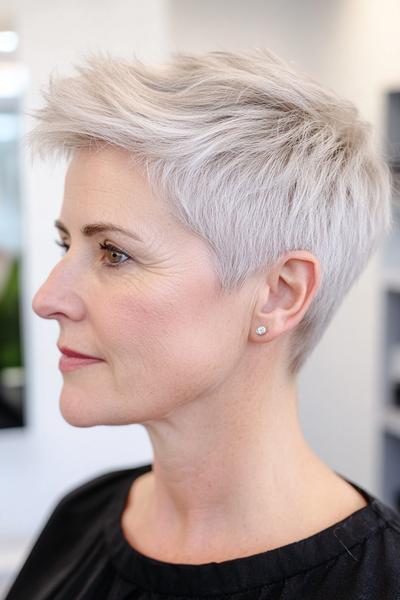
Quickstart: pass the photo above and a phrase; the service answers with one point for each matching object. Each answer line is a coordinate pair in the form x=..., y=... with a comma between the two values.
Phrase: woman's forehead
x=109, y=169
x=106, y=185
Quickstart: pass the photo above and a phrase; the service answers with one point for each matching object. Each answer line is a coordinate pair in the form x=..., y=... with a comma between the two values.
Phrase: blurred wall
x=348, y=45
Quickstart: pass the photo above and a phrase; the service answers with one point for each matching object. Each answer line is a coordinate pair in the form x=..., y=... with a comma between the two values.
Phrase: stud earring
x=261, y=330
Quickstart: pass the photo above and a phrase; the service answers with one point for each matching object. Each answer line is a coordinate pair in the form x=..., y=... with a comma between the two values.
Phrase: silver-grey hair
x=253, y=155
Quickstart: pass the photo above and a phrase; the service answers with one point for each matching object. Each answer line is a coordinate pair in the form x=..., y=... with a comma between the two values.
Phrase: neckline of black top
x=243, y=573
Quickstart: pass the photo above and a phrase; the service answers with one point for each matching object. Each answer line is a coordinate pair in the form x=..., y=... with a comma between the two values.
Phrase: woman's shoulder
x=71, y=532
x=362, y=552
x=370, y=568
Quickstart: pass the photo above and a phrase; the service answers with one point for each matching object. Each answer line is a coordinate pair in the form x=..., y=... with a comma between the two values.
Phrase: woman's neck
x=232, y=482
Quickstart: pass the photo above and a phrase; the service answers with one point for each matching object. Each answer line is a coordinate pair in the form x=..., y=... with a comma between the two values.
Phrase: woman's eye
x=62, y=244
x=114, y=254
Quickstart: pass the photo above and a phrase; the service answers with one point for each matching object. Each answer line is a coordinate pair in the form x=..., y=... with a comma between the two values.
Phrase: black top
x=81, y=554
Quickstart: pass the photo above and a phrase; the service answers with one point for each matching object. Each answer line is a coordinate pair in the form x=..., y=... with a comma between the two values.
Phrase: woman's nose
x=58, y=296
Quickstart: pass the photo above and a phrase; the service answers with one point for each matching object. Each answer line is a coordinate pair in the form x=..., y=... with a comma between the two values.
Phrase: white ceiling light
x=8, y=41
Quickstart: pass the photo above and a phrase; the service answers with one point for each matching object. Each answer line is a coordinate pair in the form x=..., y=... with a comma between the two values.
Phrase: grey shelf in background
x=390, y=282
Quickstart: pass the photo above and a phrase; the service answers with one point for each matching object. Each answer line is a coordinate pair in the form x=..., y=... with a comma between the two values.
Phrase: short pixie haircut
x=252, y=155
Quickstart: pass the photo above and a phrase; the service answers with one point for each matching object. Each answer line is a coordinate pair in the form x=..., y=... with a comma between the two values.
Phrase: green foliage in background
x=10, y=329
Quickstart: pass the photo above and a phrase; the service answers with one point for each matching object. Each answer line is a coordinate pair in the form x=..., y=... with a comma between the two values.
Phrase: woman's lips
x=70, y=359
x=69, y=363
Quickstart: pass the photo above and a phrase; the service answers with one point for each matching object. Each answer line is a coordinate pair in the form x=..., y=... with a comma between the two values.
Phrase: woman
x=216, y=211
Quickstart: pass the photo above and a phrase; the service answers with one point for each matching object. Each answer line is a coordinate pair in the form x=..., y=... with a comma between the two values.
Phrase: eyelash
x=104, y=246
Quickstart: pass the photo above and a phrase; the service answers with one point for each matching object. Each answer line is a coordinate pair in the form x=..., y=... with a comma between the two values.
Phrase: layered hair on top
x=251, y=154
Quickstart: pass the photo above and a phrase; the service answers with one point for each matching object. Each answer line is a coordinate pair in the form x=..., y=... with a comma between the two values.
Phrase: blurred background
x=350, y=388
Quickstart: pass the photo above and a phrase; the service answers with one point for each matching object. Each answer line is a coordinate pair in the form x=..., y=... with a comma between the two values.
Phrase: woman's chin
x=76, y=411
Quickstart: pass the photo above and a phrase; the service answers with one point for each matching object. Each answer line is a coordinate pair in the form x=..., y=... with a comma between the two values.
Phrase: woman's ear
x=285, y=295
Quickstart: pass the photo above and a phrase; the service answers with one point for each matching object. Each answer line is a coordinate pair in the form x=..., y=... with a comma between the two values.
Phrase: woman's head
x=139, y=292
x=252, y=157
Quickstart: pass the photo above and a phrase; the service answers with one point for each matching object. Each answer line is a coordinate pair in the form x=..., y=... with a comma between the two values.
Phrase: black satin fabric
x=81, y=554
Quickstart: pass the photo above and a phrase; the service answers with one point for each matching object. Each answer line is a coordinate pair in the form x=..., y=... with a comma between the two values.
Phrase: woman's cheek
x=134, y=318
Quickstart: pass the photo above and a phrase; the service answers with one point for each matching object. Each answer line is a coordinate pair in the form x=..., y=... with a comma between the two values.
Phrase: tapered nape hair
x=252, y=155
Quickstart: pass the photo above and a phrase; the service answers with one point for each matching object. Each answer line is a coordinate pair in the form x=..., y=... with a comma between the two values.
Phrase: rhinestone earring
x=261, y=330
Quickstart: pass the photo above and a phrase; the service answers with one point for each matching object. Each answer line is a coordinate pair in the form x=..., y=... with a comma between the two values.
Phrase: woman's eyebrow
x=100, y=227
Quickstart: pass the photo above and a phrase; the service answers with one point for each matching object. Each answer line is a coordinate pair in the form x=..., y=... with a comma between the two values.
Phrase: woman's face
x=150, y=309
